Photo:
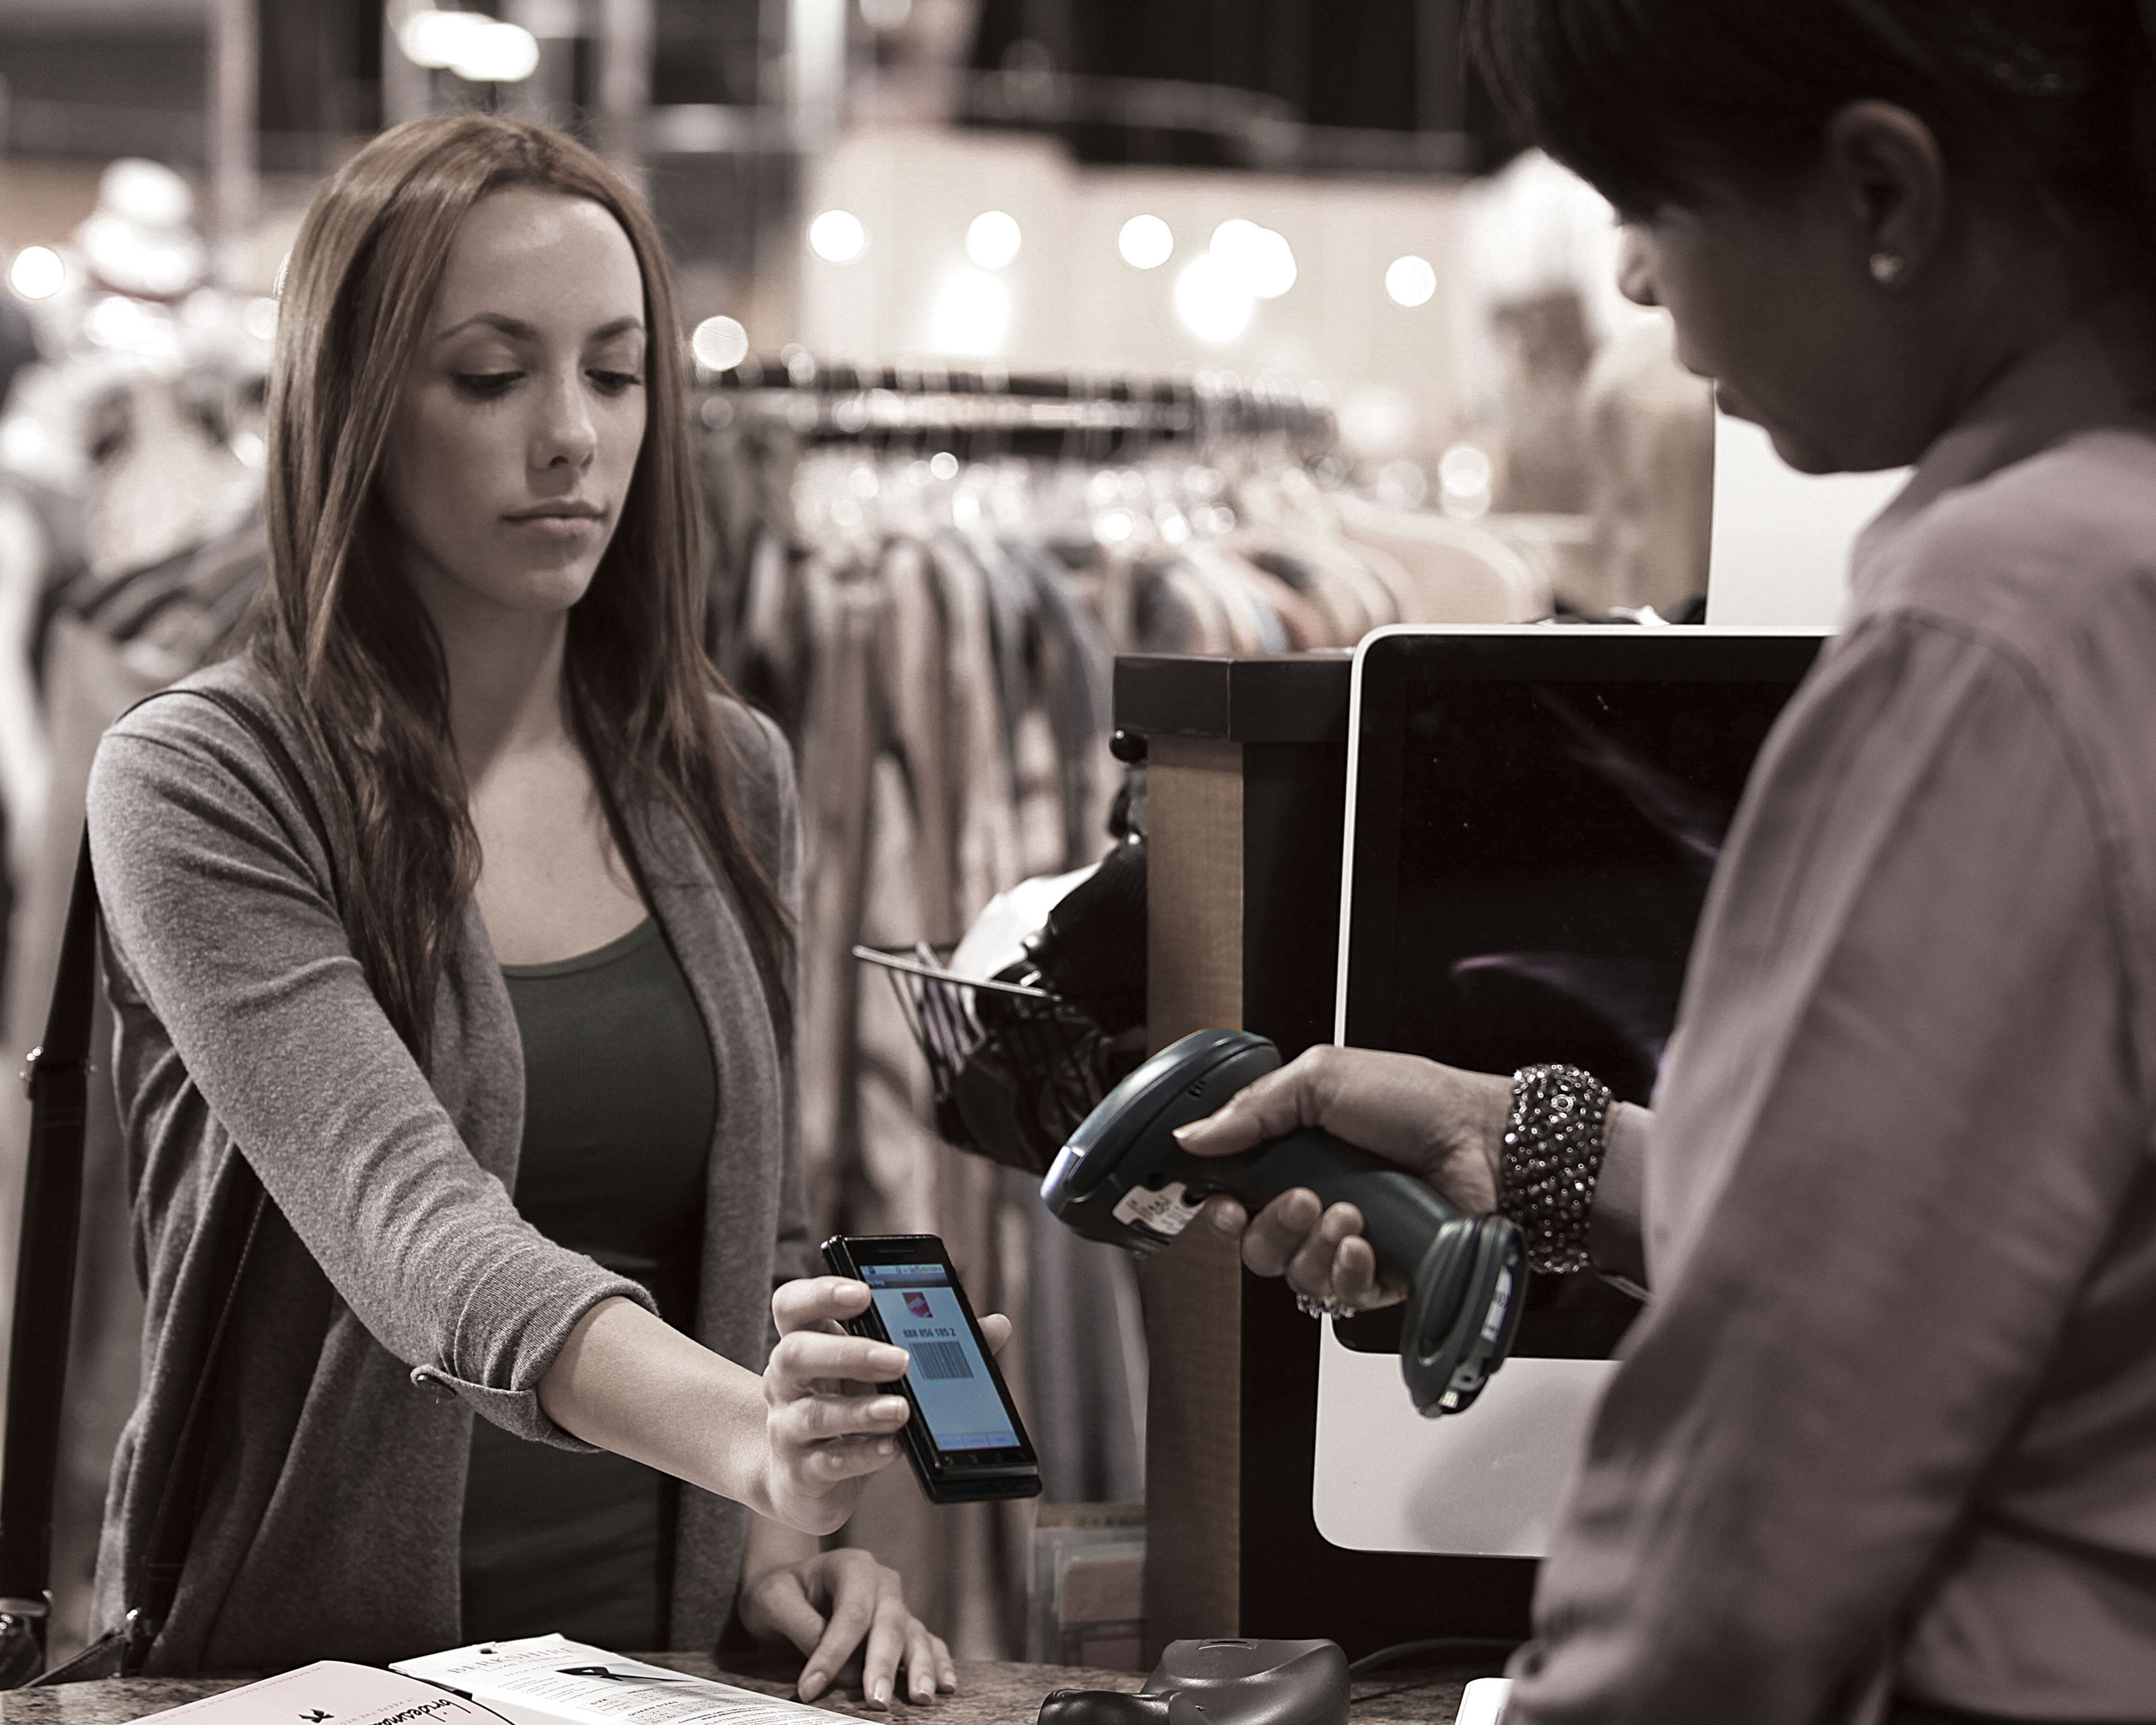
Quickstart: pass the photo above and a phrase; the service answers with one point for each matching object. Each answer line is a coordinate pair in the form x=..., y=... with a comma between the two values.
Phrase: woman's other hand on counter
x=1439, y=1121
x=839, y=1608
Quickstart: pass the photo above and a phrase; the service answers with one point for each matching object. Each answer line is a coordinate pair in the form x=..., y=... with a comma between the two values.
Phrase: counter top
x=990, y=1692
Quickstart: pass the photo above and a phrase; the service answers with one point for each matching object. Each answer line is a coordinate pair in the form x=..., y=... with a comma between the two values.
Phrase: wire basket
x=1016, y=1067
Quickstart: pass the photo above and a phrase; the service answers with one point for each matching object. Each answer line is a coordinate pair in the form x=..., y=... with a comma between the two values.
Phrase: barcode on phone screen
x=940, y=1359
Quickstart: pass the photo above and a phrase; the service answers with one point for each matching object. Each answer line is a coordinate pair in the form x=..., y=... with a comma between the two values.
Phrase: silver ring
x=1331, y=1306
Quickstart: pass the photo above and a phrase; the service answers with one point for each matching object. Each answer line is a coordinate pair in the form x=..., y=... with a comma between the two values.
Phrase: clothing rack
x=1079, y=415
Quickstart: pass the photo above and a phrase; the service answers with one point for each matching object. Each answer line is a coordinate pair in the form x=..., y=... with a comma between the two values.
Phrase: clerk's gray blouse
x=398, y=1291
x=1891, y=1418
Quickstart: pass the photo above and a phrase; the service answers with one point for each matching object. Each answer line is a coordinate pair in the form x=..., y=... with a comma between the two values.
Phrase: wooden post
x=1193, y=1289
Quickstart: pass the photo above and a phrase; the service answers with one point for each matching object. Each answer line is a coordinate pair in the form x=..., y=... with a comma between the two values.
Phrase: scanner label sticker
x=1165, y=1212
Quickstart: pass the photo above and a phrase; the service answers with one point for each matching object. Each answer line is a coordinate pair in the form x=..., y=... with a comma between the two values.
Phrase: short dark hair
x=2046, y=102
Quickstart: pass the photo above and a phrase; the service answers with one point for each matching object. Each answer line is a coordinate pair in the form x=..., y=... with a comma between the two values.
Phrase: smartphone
x=964, y=1438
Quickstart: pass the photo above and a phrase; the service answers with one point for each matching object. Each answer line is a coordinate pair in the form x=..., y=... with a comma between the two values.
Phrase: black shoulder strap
x=59, y=1083
x=57, y=1080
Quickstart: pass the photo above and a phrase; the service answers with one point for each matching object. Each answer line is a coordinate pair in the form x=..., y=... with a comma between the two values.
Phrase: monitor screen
x=1534, y=816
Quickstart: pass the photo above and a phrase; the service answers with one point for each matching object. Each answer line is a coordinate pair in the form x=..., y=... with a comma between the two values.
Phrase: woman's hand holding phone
x=828, y=1427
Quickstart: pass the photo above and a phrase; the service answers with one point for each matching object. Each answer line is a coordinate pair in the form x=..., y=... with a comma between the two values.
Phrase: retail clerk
x=1885, y=1438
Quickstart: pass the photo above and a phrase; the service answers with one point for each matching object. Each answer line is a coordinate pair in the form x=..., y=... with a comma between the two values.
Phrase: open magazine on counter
x=549, y=1680
x=542, y=1680
x=332, y=1692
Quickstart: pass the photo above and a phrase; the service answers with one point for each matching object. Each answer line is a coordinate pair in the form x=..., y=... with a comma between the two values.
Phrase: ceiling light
x=1261, y=258
x=1214, y=303
x=498, y=53
x=1410, y=281
x=38, y=273
x=837, y=236
x=719, y=343
x=478, y=49
x=1146, y=242
x=1463, y=476
x=993, y=239
x=434, y=39
x=146, y=193
x=972, y=316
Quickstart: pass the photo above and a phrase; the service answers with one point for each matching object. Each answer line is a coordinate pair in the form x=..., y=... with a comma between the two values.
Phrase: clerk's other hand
x=842, y=1608
x=827, y=1425
x=1439, y=1121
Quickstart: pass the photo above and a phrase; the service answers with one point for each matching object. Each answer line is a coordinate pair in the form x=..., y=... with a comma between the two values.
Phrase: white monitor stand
x=1485, y=1483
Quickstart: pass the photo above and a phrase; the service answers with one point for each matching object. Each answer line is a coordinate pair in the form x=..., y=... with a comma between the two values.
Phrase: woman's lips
x=565, y=524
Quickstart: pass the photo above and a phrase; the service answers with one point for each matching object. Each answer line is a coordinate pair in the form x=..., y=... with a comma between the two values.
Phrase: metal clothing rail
x=1080, y=414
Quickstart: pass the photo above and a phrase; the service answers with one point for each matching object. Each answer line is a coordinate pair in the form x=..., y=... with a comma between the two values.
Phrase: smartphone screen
x=965, y=1437
x=957, y=1399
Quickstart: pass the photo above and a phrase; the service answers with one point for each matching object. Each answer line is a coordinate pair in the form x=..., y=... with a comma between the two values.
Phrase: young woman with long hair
x=1884, y=1439
x=457, y=908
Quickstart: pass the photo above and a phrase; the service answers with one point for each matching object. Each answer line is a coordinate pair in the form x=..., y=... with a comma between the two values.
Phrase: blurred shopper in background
x=459, y=906
x=1884, y=1441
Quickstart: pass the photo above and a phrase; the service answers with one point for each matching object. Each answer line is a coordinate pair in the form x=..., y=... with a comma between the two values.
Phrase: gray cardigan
x=397, y=1290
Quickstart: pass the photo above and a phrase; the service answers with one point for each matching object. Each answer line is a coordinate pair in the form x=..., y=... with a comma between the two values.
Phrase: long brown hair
x=340, y=635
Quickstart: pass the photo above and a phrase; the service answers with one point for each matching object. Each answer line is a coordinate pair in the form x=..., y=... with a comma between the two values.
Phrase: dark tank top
x=619, y=1098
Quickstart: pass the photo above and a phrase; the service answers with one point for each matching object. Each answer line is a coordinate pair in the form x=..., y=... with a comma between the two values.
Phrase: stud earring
x=1887, y=267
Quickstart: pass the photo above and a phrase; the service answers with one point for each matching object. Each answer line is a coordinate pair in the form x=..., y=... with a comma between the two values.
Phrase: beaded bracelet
x=1551, y=1159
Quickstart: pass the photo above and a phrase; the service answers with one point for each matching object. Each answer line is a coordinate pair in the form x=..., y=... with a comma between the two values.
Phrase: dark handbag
x=58, y=1080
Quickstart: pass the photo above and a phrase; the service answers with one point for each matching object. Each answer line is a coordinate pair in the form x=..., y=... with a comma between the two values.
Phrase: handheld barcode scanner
x=1122, y=1178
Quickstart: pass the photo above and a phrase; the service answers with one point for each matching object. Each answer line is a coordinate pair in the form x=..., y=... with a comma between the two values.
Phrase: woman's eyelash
x=483, y=386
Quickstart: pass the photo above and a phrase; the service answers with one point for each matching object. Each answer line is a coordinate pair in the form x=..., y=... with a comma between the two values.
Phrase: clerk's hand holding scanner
x=1124, y=1178
x=1438, y=1121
